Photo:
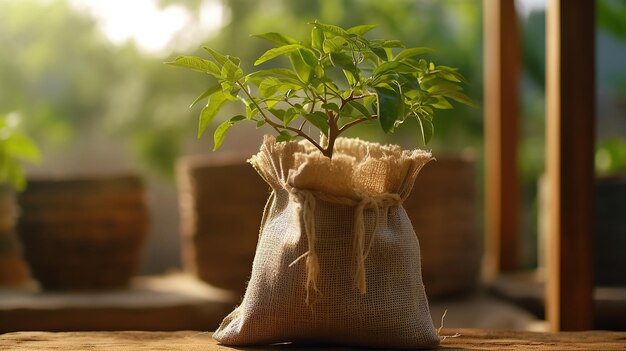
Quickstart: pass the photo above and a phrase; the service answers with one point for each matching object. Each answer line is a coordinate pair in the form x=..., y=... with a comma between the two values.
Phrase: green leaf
x=387, y=43
x=206, y=94
x=219, y=58
x=351, y=78
x=441, y=87
x=441, y=103
x=251, y=110
x=390, y=107
x=281, y=50
x=280, y=114
x=462, y=98
x=318, y=119
x=230, y=90
x=197, y=64
x=317, y=39
x=410, y=52
x=269, y=87
x=361, y=29
x=277, y=38
x=427, y=129
x=380, y=52
x=231, y=71
x=234, y=59
x=344, y=61
x=222, y=130
x=284, y=136
x=359, y=107
x=385, y=67
x=451, y=76
x=290, y=115
x=302, y=69
x=260, y=123
x=331, y=106
x=335, y=44
x=332, y=29
x=270, y=103
x=216, y=101
x=309, y=57
x=19, y=146
x=220, y=134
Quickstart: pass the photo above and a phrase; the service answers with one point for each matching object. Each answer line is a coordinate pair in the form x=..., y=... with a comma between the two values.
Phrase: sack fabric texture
x=337, y=260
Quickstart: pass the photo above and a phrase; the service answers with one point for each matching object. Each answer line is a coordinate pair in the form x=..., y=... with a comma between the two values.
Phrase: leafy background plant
x=15, y=148
x=375, y=83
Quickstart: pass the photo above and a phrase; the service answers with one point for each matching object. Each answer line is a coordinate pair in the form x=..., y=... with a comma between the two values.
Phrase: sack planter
x=337, y=261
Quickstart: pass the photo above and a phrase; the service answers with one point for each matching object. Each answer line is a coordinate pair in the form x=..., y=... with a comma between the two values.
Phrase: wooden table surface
x=470, y=339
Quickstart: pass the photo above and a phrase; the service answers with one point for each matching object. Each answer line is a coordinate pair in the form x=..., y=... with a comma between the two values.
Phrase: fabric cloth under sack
x=337, y=260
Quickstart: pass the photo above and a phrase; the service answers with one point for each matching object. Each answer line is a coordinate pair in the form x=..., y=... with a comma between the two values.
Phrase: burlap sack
x=337, y=261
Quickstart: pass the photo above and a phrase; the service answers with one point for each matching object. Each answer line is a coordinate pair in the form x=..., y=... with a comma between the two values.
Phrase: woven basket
x=83, y=233
x=443, y=208
x=14, y=272
x=221, y=204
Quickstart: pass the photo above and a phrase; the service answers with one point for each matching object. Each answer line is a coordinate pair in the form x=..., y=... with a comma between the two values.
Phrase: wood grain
x=469, y=339
x=501, y=67
x=570, y=135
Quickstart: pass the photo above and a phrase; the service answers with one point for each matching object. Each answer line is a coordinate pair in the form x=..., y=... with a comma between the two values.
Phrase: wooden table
x=470, y=339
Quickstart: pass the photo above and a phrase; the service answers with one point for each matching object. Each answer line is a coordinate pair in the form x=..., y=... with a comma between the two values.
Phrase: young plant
x=337, y=79
x=15, y=147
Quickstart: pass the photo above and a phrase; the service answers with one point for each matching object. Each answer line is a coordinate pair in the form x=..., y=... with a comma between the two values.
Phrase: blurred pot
x=82, y=233
x=14, y=272
x=221, y=202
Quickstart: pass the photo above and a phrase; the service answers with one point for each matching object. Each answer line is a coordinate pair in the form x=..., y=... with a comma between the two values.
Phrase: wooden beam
x=570, y=133
x=501, y=75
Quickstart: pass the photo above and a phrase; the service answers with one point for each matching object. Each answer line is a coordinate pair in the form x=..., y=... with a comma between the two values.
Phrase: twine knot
x=360, y=250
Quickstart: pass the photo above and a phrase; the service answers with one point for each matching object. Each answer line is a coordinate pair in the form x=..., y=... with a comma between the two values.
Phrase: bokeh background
x=89, y=81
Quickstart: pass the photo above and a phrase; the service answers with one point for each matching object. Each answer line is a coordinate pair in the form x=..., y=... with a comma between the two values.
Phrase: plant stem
x=333, y=133
x=355, y=122
x=277, y=126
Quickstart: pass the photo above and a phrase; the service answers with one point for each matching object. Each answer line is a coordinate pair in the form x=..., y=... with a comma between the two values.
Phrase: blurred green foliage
x=15, y=148
x=69, y=80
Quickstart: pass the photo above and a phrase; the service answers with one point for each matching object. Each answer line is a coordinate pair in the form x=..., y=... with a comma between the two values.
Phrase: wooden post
x=570, y=131
x=501, y=74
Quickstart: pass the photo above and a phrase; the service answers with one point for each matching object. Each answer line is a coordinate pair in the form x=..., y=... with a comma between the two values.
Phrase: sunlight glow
x=150, y=27
x=525, y=7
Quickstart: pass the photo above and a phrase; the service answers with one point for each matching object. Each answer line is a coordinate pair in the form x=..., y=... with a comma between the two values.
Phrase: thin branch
x=331, y=89
x=298, y=132
x=355, y=122
x=253, y=101
x=302, y=125
x=277, y=126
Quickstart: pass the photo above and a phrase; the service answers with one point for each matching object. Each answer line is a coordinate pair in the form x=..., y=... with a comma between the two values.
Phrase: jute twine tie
x=360, y=250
